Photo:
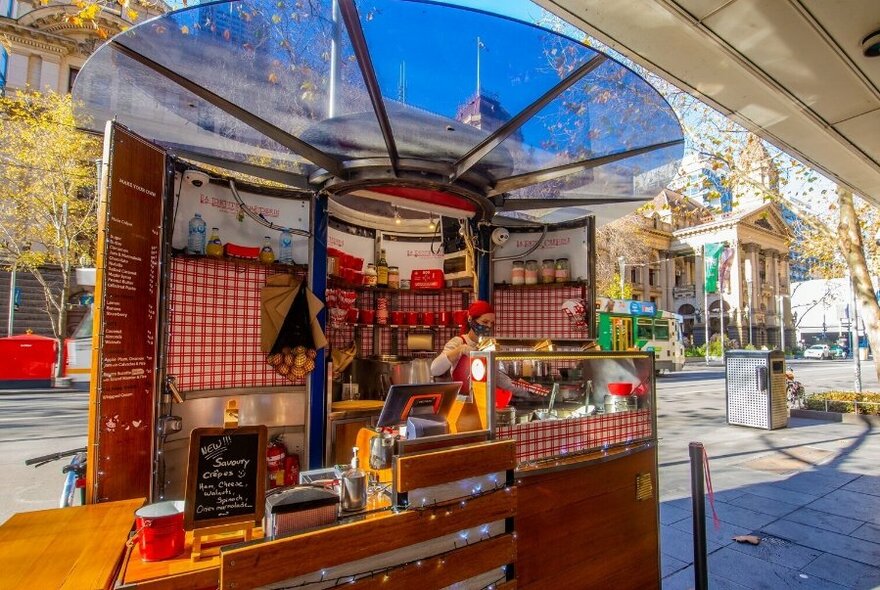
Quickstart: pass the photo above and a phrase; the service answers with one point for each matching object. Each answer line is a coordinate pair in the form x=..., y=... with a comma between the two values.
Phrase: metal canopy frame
x=470, y=174
x=280, y=136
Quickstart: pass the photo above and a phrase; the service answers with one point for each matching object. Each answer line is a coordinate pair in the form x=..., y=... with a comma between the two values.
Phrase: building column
x=700, y=284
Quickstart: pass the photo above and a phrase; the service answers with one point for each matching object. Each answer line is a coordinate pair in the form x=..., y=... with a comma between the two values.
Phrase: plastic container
x=214, y=248
x=548, y=270
x=370, y=275
x=285, y=247
x=393, y=277
x=518, y=274
x=531, y=273
x=563, y=275
x=267, y=255
x=196, y=238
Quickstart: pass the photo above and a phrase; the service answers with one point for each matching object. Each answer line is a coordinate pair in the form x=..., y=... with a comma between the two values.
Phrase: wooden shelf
x=542, y=285
x=296, y=268
x=337, y=283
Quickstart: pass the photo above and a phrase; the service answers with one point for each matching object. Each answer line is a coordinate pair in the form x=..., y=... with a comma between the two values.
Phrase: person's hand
x=464, y=349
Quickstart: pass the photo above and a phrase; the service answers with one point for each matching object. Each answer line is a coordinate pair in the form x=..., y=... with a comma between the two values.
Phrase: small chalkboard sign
x=225, y=476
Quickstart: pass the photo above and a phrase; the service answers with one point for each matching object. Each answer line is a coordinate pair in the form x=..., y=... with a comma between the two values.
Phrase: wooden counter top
x=59, y=548
x=357, y=405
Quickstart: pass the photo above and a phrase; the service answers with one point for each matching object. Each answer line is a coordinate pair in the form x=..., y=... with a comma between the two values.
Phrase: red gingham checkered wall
x=535, y=312
x=214, y=340
x=393, y=339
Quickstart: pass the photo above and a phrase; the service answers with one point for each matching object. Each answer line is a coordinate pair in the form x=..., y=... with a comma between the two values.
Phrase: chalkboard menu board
x=225, y=476
x=127, y=314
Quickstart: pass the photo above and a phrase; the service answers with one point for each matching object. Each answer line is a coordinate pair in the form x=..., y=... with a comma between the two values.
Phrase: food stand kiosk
x=464, y=193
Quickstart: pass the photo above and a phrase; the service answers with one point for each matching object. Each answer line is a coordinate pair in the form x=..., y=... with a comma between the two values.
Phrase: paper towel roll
x=420, y=341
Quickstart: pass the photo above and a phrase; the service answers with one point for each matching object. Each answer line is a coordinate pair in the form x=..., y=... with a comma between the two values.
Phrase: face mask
x=479, y=329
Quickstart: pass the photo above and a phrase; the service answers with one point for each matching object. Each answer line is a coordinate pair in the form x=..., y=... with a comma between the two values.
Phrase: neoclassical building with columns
x=756, y=307
x=44, y=48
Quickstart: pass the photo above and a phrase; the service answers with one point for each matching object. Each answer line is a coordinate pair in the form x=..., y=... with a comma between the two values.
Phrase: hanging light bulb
x=432, y=226
x=397, y=218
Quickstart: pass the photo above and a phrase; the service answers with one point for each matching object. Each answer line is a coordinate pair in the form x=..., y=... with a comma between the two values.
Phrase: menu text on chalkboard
x=226, y=476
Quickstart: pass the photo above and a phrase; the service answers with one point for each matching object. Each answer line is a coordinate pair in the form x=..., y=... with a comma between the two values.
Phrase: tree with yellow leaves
x=47, y=195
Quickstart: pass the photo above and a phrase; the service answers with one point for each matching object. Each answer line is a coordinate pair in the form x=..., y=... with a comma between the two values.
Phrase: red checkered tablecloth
x=553, y=438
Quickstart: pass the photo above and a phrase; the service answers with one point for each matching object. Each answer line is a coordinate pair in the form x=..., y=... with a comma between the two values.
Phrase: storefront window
x=661, y=330
x=644, y=329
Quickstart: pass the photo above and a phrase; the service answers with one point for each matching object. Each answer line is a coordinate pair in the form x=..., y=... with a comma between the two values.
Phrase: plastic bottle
x=195, y=241
x=285, y=248
x=267, y=255
x=214, y=248
x=382, y=270
x=353, y=490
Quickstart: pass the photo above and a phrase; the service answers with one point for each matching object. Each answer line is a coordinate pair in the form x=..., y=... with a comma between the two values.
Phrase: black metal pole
x=698, y=500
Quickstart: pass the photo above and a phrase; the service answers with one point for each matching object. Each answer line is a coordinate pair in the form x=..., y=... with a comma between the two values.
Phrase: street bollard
x=698, y=500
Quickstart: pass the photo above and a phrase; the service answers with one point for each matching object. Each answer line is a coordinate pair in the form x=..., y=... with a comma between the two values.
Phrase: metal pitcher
x=381, y=451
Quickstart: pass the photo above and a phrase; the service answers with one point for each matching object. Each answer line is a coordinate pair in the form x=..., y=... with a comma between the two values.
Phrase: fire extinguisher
x=275, y=456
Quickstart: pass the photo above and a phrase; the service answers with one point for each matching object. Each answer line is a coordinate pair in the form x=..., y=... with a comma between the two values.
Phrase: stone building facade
x=756, y=307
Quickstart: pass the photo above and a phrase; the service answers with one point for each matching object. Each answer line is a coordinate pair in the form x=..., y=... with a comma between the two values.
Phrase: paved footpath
x=811, y=491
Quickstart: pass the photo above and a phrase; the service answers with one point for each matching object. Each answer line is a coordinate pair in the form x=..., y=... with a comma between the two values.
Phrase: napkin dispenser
x=297, y=508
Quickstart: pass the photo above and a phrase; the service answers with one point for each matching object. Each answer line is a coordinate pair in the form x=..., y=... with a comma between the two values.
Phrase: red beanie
x=479, y=308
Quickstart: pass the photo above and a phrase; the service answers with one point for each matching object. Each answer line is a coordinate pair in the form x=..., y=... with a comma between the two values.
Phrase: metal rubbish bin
x=755, y=386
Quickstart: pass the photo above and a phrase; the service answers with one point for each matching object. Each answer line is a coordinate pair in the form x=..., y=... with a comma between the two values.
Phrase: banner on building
x=712, y=255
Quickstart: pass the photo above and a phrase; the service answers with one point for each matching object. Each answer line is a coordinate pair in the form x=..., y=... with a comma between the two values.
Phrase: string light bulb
x=397, y=218
x=431, y=225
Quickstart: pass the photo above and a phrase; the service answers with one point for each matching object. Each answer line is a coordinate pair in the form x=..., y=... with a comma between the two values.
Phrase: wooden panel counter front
x=590, y=521
x=77, y=548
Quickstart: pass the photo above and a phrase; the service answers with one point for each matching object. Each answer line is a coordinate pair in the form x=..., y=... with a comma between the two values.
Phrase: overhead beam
x=295, y=181
x=293, y=143
x=510, y=183
x=362, y=53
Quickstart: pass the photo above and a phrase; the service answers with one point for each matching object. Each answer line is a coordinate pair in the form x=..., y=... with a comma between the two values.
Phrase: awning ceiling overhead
x=792, y=71
x=517, y=119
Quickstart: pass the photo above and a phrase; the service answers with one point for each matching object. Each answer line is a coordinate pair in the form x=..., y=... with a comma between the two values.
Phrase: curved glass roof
x=536, y=125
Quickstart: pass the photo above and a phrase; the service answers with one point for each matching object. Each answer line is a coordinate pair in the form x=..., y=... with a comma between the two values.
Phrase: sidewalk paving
x=811, y=492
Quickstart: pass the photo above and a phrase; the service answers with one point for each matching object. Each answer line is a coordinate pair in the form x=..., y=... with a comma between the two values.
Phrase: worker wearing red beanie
x=452, y=363
x=453, y=358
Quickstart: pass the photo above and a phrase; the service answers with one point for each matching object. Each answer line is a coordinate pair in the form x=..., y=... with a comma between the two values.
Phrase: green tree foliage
x=47, y=194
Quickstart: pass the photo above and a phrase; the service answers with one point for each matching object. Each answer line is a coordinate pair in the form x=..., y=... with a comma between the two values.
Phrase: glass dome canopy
x=405, y=97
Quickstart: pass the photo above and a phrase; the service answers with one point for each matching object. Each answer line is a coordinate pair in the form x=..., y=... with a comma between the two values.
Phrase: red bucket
x=160, y=533
x=620, y=388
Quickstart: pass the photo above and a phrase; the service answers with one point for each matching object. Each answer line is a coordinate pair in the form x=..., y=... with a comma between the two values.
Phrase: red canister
x=428, y=318
x=460, y=317
x=160, y=533
x=412, y=318
x=443, y=318
x=398, y=318
x=367, y=316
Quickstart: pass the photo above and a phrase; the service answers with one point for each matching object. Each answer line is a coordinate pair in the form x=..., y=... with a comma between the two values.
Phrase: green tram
x=625, y=324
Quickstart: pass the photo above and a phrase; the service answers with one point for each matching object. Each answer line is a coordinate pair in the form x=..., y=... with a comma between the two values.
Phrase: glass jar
x=531, y=272
x=548, y=270
x=370, y=275
x=518, y=274
x=562, y=273
x=393, y=277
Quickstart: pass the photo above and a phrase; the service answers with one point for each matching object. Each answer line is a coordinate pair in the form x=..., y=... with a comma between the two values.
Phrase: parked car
x=838, y=352
x=818, y=351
